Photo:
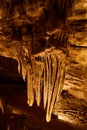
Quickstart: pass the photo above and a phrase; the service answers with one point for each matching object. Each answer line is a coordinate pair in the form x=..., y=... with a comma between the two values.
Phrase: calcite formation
x=45, y=76
x=48, y=40
x=28, y=32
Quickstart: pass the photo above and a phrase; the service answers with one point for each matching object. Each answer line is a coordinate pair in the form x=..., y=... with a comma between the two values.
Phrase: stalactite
x=56, y=75
x=49, y=85
x=19, y=67
x=23, y=71
x=30, y=87
x=36, y=84
x=38, y=92
x=45, y=92
x=54, y=95
x=52, y=68
x=38, y=74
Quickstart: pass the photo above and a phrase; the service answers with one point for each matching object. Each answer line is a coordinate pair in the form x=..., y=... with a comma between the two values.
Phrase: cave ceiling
x=48, y=41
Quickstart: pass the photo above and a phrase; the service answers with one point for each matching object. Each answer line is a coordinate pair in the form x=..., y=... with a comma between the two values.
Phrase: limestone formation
x=48, y=41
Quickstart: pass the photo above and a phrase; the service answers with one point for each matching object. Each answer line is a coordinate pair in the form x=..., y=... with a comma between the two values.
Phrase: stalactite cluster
x=45, y=76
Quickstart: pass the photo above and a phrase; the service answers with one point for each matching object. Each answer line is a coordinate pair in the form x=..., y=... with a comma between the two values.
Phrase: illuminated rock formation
x=48, y=41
